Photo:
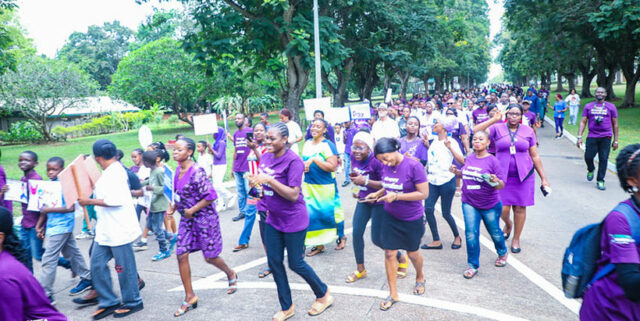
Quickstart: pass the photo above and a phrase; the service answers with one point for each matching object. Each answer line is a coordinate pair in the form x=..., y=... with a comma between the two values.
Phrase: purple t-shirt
x=240, y=164
x=480, y=115
x=29, y=218
x=348, y=140
x=605, y=298
x=284, y=215
x=3, y=181
x=370, y=167
x=415, y=148
x=220, y=147
x=403, y=178
x=22, y=297
x=531, y=117
x=600, y=118
x=475, y=190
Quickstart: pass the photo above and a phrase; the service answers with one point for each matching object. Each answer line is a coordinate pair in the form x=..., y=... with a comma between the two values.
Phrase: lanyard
x=513, y=136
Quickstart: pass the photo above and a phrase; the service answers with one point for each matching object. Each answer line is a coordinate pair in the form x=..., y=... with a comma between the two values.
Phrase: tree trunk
x=603, y=66
x=587, y=78
x=559, y=83
x=297, y=79
x=571, y=80
x=425, y=79
x=438, y=83
x=343, y=75
x=631, y=74
x=404, y=79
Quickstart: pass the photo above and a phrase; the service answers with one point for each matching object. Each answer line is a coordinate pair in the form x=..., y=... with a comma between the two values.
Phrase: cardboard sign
x=168, y=187
x=387, y=97
x=311, y=105
x=44, y=193
x=78, y=179
x=17, y=191
x=145, y=137
x=205, y=124
x=338, y=115
x=360, y=111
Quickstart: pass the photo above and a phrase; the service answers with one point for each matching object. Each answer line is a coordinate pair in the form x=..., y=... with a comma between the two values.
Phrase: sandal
x=405, y=266
x=502, y=260
x=418, y=289
x=240, y=247
x=319, y=307
x=233, y=285
x=283, y=315
x=470, y=273
x=387, y=303
x=355, y=276
x=124, y=311
x=187, y=306
x=342, y=242
x=105, y=312
x=264, y=273
x=316, y=250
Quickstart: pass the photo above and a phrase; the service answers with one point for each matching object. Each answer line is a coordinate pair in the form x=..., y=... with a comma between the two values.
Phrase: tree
x=162, y=24
x=99, y=50
x=13, y=43
x=162, y=73
x=41, y=88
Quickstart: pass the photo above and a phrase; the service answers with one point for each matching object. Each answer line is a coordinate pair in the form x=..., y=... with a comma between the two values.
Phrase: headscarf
x=219, y=137
x=365, y=138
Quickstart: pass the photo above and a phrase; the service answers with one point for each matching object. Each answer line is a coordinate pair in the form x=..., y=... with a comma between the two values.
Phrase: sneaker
x=150, y=233
x=84, y=236
x=172, y=243
x=83, y=286
x=52, y=300
x=601, y=186
x=239, y=217
x=161, y=256
x=346, y=183
x=140, y=246
x=589, y=176
x=220, y=206
x=231, y=202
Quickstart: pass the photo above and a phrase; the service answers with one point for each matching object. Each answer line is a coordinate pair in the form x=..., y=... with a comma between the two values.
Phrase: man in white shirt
x=295, y=133
x=116, y=228
x=384, y=126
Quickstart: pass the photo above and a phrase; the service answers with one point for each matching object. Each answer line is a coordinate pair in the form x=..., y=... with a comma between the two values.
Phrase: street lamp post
x=316, y=39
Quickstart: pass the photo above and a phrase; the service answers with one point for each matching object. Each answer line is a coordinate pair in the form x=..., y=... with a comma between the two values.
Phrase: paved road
x=528, y=288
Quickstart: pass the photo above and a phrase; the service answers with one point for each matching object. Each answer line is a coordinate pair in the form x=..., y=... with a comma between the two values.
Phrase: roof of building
x=96, y=106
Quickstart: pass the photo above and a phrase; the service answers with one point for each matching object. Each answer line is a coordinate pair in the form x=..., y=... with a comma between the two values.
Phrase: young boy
x=59, y=239
x=32, y=245
x=159, y=205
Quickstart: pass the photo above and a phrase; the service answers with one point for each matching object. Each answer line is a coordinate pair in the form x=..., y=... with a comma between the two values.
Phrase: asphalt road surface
x=527, y=289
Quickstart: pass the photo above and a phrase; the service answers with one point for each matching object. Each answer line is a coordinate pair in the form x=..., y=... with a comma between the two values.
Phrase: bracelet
x=396, y=197
x=366, y=181
x=579, y=137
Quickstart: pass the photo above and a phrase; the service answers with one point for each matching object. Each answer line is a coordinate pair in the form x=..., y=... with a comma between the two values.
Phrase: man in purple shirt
x=602, y=117
x=241, y=164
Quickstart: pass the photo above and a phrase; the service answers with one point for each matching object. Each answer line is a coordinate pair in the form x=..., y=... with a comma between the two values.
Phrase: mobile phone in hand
x=545, y=191
x=250, y=136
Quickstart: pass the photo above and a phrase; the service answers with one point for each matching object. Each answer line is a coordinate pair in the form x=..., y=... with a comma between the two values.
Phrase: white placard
x=44, y=193
x=387, y=98
x=311, y=105
x=360, y=111
x=338, y=115
x=145, y=137
x=205, y=124
x=17, y=191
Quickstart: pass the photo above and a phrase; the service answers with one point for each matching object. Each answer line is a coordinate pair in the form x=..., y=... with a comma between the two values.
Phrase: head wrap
x=365, y=138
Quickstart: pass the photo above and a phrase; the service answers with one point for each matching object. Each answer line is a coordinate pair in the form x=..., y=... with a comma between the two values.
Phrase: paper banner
x=44, y=193
x=360, y=111
x=145, y=137
x=205, y=124
x=168, y=183
x=387, y=97
x=311, y=105
x=86, y=175
x=17, y=191
x=338, y=115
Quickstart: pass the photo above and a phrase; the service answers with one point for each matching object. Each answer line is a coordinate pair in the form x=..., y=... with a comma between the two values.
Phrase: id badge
x=176, y=198
x=512, y=149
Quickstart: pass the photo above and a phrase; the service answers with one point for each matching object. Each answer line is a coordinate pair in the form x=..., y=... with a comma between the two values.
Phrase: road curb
x=574, y=140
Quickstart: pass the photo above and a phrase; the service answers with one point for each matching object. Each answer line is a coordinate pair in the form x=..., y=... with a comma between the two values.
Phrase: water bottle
x=571, y=286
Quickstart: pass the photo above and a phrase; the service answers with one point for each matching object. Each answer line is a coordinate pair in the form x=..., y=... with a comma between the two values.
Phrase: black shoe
x=455, y=246
x=141, y=285
x=430, y=247
x=82, y=301
x=515, y=250
x=239, y=217
x=52, y=300
x=345, y=184
x=107, y=312
x=132, y=310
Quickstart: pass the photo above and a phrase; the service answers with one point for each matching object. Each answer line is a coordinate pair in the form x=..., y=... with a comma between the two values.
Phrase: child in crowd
x=159, y=205
x=205, y=159
x=143, y=173
x=340, y=146
x=59, y=239
x=27, y=162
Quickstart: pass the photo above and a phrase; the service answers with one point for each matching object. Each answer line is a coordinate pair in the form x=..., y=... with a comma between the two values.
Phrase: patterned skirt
x=321, y=205
x=201, y=233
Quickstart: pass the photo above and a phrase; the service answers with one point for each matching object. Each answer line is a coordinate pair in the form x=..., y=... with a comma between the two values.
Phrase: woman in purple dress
x=199, y=228
x=517, y=152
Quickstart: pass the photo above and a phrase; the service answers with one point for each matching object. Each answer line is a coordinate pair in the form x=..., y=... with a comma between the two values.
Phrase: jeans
x=65, y=244
x=32, y=245
x=347, y=167
x=262, y=223
x=363, y=213
x=573, y=114
x=602, y=147
x=139, y=210
x=127, y=275
x=559, y=124
x=249, y=219
x=491, y=219
x=155, y=223
x=446, y=191
x=242, y=188
x=294, y=243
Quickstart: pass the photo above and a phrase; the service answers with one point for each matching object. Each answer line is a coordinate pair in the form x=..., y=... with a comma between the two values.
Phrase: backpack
x=580, y=258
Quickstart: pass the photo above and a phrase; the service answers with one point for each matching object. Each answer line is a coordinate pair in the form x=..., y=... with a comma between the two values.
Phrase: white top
x=294, y=133
x=573, y=100
x=205, y=160
x=117, y=223
x=143, y=173
x=427, y=122
x=340, y=142
x=385, y=128
x=440, y=160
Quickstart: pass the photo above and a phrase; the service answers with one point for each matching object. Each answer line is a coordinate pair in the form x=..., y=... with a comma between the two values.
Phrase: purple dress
x=519, y=188
x=201, y=233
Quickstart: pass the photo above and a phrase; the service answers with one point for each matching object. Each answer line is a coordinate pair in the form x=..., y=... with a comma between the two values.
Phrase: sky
x=496, y=10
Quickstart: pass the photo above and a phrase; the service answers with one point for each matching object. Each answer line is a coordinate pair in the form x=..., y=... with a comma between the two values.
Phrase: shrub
x=114, y=122
x=22, y=131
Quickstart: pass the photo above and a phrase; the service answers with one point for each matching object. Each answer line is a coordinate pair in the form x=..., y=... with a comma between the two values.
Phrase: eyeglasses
x=514, y=114
x=354, y=148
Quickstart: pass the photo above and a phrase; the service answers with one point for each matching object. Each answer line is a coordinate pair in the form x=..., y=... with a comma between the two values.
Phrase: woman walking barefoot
x=199, y=228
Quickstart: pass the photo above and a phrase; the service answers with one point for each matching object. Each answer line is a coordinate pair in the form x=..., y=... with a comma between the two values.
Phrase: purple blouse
x=29, y=218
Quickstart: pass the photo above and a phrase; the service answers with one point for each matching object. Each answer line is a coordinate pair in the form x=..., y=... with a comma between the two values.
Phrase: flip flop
x=315, y=251
x=264, y=273
x=387, y=303
x=470, y=273
x=129, y=310
x=233, y=285
x=418, y=289
x=318, y=307
x=102, y=313
x=240, y=247
x=188, y=306
x=355, y=276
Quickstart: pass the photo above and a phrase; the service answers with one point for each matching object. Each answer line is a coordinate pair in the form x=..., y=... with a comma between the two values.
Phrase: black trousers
x=600, y=146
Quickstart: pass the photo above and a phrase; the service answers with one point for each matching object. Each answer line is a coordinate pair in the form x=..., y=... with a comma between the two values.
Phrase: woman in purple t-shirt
x=404, y=183
x=280, y=176
x=482, y=177
x=616, y=296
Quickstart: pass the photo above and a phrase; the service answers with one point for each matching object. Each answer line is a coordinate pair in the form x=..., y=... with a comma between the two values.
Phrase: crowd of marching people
x=479, y=145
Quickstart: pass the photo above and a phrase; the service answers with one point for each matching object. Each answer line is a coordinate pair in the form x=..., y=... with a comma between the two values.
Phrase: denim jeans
x=573, y=114
x=602, y=147
x=242, y=189
x=127, y=275
x=559, y=124
x=446, y=191
x=139, y=210
x=249, y=220
x=32, y=245
x=491, y=219
x=155, y=223
x=347, y=167
x=276, y=242
x=363, y=213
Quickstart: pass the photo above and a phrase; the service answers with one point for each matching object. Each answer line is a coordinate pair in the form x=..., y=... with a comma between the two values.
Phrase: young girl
x=205, y=159
x=159, y=205
x=143, y=173
x=482, y=177
x=412, y=145
x=339, y=135
x=200, y=225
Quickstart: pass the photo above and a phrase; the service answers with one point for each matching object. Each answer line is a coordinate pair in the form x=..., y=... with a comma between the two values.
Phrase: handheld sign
x=145, y=137
x=17, y=191
x=78, y=180
x=338, y=115
x=205, y=124
x=311, y=105
x=360, y=111
x=168, y=188
x=44, y=193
